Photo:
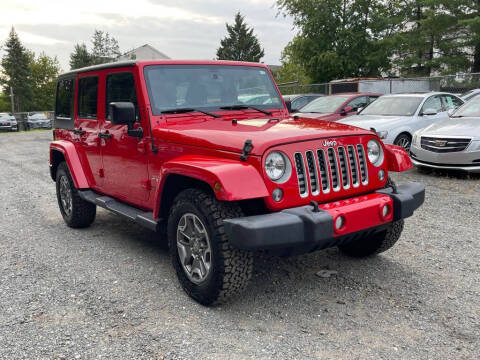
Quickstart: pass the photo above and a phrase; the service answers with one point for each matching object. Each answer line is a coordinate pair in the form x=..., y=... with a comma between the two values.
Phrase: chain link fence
x=456, y=84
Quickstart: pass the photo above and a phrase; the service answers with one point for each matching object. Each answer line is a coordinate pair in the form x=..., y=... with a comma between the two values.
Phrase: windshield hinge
x=247, y=147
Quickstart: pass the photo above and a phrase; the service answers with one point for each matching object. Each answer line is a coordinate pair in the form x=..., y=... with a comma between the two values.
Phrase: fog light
x=381, y=175
x=277, y=194
x=385, y=210
x=339, y=222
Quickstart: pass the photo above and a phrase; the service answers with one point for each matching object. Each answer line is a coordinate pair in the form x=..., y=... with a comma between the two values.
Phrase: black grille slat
x=333, y=168
x=362, y=164
x=353, y=164
x=342, y=158
x=312, y=172
x=322, y=164
x=301, y=174
x=444, y=145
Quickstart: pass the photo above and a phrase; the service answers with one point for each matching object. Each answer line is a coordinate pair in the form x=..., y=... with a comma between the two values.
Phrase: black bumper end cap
x=409, y=197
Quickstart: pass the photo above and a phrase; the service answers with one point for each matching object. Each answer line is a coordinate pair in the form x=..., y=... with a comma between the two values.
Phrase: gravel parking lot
x=110, y=292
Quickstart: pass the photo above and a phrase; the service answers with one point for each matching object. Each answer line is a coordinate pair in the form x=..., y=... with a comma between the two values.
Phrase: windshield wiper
x=242, y=107
x=457, y=116
x=187, y=110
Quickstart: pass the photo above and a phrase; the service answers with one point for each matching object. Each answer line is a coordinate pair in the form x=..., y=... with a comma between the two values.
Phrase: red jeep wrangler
x=206, y=152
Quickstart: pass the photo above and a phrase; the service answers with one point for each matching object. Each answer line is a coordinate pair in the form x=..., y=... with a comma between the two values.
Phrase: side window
x=64, y=101
x=359, y=102
x=120, y=87
x=451, y=102
x=87, y=97
x=300, y=102
x=433, y=103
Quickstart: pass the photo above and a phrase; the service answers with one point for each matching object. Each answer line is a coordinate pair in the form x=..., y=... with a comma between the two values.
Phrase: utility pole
x=11, y=100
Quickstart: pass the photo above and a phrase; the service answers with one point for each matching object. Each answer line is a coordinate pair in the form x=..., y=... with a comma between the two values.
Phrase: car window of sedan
x=359, y=102
x=299, y=102
x=451, y=102
x=433, y=103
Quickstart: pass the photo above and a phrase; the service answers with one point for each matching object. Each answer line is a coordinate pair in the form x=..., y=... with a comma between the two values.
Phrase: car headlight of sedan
x=375, y=152
x=416, y=139
x=277, y=166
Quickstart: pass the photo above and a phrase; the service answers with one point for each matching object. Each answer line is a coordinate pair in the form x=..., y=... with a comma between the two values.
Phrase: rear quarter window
x=65, y=98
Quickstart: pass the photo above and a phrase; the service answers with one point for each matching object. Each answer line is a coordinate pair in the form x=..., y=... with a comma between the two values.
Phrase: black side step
x=141, y=217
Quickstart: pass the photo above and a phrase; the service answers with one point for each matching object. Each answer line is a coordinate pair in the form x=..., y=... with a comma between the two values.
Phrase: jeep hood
x=222, y=134
x=379, y=122
x=468, y=127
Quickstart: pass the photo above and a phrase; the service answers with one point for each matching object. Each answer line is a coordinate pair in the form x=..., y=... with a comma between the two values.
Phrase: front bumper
x=467, y=160
x=8, y=127
x=304, y=230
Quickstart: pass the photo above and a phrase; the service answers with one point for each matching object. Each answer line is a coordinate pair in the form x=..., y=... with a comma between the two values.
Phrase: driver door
x=124, y=157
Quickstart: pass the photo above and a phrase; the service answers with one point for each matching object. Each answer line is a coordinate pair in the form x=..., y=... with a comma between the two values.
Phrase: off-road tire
x=83, y=212
x=231, y=268
x=376, y=243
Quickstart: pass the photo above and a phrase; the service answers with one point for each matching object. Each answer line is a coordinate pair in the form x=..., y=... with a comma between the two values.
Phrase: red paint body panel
x=69, y=151
x=360, y=213
x=397, y=158
x=238, y=180
x=203, y=148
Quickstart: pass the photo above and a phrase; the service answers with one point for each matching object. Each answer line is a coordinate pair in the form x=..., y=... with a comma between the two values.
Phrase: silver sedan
x=451, y=144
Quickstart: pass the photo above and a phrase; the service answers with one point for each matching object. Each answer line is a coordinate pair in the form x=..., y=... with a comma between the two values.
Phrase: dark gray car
x=38, y=121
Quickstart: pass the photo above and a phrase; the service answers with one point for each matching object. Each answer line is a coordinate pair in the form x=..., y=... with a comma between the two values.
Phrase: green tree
x=240, y=44
x=16, y=72
x=105, y=47
x=432, y=39
x=290, y=70
x=44, y=72
x=340, y=38
x=80, y=57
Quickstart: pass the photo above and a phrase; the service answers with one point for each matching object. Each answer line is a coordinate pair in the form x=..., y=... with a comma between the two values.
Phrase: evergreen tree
x=16, y=72
x=80, y=57
x=240, y=44
x=105, y=47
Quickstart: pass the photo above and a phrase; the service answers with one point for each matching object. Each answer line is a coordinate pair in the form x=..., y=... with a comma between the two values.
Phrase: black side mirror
x=123, y=113
x=288, y=103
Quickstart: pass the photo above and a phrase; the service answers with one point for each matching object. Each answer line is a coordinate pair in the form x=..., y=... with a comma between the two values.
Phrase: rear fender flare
x=72, y=159
x=230, y=180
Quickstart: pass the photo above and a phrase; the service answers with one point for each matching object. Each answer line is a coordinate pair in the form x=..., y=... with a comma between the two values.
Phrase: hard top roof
x=132, y=63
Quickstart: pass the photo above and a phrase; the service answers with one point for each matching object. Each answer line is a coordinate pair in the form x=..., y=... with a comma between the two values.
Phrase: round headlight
x=375, y=152
x=275, y=165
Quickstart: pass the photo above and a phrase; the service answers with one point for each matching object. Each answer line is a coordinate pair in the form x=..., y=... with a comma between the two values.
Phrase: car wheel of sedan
x=208, y=268
x=76, y=212
x=404, y=141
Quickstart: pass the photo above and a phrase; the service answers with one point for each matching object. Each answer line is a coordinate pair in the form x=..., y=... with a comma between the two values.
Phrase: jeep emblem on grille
x=329, y=143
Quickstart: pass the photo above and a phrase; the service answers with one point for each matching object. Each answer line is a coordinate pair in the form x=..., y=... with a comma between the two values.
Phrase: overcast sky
x=189, y=29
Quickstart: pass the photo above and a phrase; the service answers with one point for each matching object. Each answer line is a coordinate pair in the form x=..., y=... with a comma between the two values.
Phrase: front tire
x=208, y=268
x=76, y=212
x=376, y=243
x=404, y=141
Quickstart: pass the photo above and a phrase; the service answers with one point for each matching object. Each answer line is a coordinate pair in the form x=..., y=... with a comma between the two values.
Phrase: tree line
x=32, y=78
x=367, y=38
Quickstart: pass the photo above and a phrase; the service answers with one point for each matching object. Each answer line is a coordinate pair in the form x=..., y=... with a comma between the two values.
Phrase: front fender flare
x=73, y=161
x=230, y=180
x=397, y=158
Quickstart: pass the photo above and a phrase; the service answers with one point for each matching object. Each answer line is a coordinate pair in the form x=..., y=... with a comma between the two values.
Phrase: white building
x=144, y=52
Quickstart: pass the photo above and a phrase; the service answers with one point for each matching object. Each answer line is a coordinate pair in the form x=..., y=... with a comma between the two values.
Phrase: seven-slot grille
x=444, y=145
x=330, y=169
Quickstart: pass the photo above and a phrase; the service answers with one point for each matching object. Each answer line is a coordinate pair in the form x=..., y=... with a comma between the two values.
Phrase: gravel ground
x=110, y=292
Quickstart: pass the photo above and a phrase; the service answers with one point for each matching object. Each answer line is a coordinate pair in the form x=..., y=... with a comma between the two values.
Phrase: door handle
x=104, y=135
x=78, y=131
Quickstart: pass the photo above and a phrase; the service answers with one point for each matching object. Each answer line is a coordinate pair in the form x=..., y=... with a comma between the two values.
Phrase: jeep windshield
x=210, y=88
x=393, y=106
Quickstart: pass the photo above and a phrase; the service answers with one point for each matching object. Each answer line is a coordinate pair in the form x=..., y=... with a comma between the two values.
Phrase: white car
x=466, y=96
x=396, y=117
